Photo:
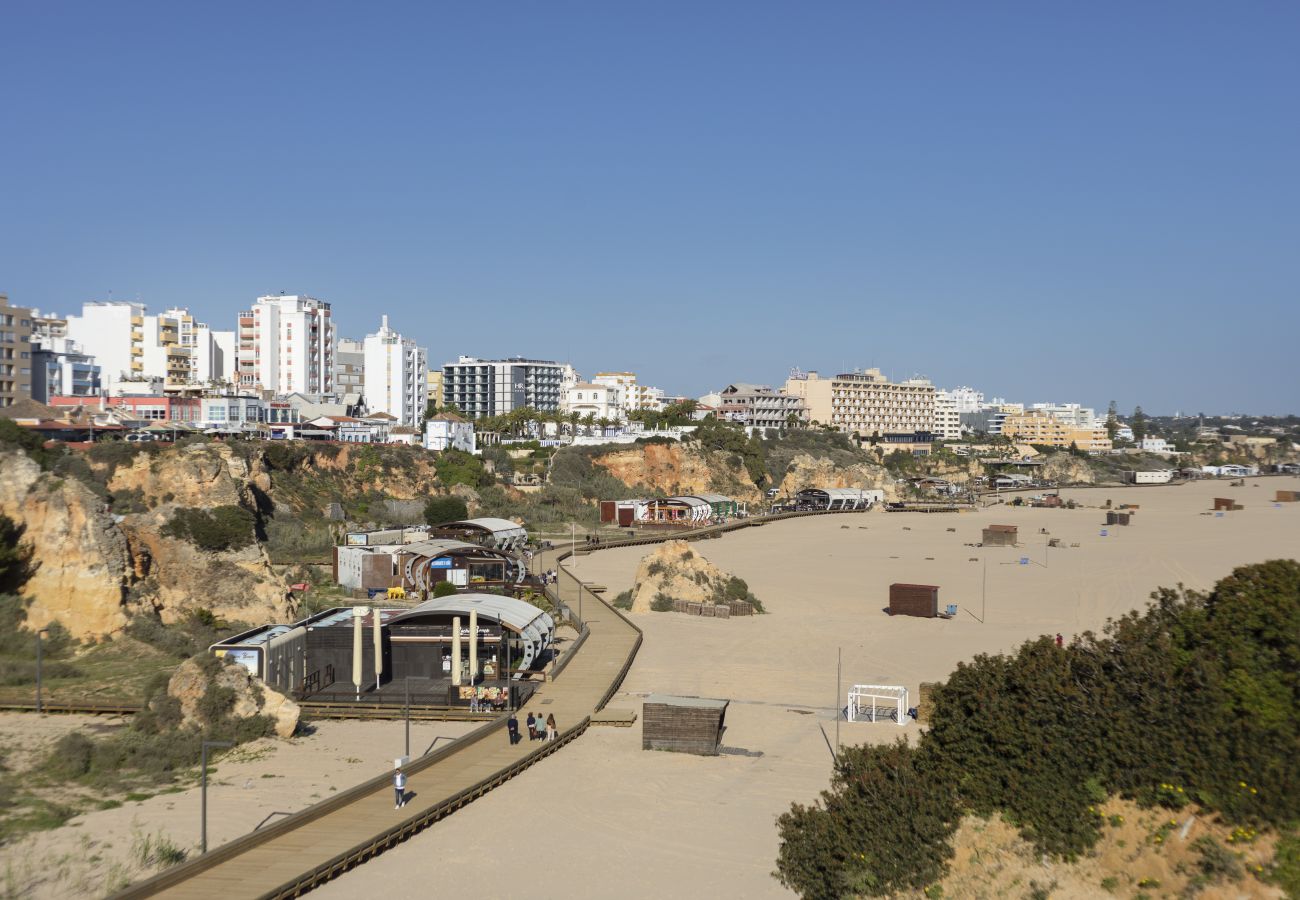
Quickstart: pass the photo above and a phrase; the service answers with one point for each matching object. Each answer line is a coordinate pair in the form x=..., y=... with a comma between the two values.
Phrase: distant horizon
x=1046, y=203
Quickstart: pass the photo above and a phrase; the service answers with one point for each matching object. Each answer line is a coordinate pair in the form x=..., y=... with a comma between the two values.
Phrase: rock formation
x=674, y=571
x=190, y=683
x=1064, y=468
x=679, y=468
x=808, y=471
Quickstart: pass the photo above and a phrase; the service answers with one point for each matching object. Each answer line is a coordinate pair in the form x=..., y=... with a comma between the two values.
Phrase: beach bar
x=1000, y=536
x=683, y=724
x=914, y=600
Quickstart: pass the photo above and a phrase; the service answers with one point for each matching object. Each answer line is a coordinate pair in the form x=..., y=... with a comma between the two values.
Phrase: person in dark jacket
x=512, y=726
x=532, y=727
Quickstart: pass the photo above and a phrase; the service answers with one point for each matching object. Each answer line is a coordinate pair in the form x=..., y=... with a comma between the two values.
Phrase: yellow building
x=433, y=379
x=1038, y=427
x=865, y=403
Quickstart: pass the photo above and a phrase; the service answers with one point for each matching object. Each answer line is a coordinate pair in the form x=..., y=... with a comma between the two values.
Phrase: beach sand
x=100, y=849
x=603, y=818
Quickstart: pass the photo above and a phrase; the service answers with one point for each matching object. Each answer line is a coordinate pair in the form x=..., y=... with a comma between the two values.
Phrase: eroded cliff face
x=808, y=471
x=82, y=556
x=1063, y=468
x=679, y=469
x=96, y=569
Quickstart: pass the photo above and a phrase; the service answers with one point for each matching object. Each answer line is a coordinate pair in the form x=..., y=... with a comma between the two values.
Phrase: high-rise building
x=866, y=403
x=129, y=344
x=112, y=332
x=60, y=368
x=947, y=416
x=15, y=352
x=493, y=387
x=214, y=355
x=287, y=345
x=967, y=399
x=395, y=375
x=350, y=367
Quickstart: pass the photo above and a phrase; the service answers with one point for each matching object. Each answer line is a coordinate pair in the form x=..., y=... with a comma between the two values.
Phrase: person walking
x=1060, y=641
x=532, y=727
x=399, y=787
x=551, y=731
x=512, y=726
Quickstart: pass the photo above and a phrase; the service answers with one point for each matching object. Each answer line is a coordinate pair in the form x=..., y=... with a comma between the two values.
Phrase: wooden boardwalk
x=299, y=852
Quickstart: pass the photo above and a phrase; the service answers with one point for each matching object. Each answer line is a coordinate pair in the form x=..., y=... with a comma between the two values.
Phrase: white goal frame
x=862, y=705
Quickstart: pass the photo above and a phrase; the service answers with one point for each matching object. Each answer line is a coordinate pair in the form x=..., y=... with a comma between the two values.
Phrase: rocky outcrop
x=680, y=468
x=190, y=683
x=199, y=475
x=808, y=471
x=83, y=560
x=674, y=571
x=1065, y=468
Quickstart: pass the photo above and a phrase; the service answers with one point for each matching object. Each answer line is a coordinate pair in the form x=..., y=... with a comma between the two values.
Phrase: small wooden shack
x=1226, y=503
x=1287, y=496
x=683, y=724
x=1117, y=518
x=914, y=600
x=1000, y=536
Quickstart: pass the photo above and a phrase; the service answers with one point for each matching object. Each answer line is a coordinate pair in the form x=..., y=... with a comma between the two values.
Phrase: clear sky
x=1085, y=202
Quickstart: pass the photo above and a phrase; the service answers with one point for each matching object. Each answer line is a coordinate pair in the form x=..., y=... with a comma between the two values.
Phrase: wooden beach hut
x=914, y=600
x=683, y=724
x=1000, y=536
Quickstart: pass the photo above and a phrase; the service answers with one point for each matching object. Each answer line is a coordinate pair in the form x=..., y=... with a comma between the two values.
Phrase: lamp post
x=203, y=808
x=408, y=716
x=40, y=631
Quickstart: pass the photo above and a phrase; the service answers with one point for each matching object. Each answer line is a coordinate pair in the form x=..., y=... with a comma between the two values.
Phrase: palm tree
x=588, y=421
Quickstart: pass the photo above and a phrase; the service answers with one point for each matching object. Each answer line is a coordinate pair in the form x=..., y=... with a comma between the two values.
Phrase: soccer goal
x=873, y=702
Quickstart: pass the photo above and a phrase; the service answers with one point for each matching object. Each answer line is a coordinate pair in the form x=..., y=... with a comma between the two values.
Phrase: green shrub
x=16, y=567
x=441, y=510
x=1214, y=861
x=623, y=600
x=222, y=528
x=458, y=467
x=444, y=589
x=30, y=442
x=662, y=603
x=882, y=827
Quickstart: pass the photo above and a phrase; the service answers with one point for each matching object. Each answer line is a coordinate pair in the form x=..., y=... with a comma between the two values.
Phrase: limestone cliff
x=82, y=556
x=807, y=471
x=674, y=571
x=1065, y=468
x=679, y=468
x=190, y=683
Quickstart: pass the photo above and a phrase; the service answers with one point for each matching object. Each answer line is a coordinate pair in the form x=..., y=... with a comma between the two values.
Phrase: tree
x=444, y=589
x=1112, y=421
x=15, y=556
x=444, y=509
x=1139, y=424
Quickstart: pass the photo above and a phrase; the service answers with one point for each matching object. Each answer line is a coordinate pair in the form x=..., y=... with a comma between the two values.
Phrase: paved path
x=292, y=851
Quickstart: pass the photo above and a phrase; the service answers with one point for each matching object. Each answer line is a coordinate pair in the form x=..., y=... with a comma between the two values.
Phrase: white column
x=379, y=650
x=358, y=613
x=455, y=650
x=473, y=645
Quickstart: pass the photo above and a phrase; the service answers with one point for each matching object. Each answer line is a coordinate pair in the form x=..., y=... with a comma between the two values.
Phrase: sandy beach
x=642, y=824
x=98, y=850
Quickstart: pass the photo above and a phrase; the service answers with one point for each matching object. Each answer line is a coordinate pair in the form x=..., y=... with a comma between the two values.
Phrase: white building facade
x=947, y=416
x=447, y=431
x=394, y=375
x=632, y=395
x=601, y=401
x=287, y=344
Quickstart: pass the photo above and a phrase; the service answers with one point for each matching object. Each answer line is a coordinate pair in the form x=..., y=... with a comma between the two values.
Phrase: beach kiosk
x=914, y=600
x=683, y=724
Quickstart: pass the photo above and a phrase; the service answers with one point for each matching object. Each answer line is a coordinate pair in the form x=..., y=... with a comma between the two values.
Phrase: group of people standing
x=538, y=729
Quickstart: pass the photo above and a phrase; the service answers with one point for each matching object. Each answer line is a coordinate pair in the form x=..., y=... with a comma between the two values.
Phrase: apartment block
x=1079, y=417
x=15, y=352
x=433, y=384
x=287, y=344
x=947, y=416
x=1035, y=426
x=632, y=395
x=600, y=401
x=61, y=368
x=493, y=387
x=758, y=406
x=395, y=375
x=350, y=367
x=865, y=403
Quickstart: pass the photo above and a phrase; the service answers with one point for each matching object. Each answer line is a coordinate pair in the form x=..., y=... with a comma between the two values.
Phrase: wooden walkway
x=293, y=855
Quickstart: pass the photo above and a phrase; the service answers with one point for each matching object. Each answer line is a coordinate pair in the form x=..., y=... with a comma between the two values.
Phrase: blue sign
x=1024, y=560
x=1103, y=532
x=442, y=562
x=1218, y=515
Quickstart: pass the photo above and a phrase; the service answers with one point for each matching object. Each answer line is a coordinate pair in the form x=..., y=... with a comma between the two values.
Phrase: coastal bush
x=882, y=827
x=1198, y=694
x=221, y=528
x=458, y=467
x=185, y=638
x=444, y=589
x=30, y=442
x=623, y=600
x=572, y=468
x=661, y=603
x=440, y=510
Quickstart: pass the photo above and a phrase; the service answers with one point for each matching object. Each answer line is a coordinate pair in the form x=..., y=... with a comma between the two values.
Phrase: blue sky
x=1046, y=201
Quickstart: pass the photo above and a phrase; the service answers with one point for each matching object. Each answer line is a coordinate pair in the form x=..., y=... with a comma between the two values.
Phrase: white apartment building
x=967, y=399
x=1072, y=414
x=129, y=344
x=947, y=416
x=632, y=396
x=448, y=431
x=493, y=387
x=287, y=344
x=213, y=357
x=601, y=401
x=395, y=375
x=113, y=333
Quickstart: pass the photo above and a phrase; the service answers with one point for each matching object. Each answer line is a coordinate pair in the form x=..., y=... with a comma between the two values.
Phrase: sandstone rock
x=808, y=471
x=189, y=683
x=83, y=561
x=679, y=468
x=1064, y=468
x=674, y=570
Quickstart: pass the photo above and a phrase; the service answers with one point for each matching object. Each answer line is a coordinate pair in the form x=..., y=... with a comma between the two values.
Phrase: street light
x=39, y=632
x=203, y=808
x=408, y=716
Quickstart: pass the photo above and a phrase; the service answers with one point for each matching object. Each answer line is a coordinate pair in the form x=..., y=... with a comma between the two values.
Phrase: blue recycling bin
x=1103, y=532
x=1024, y=560
x=952, y=609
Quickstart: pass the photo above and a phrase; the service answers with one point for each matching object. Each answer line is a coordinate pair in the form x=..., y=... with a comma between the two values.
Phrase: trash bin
x=952, y=609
